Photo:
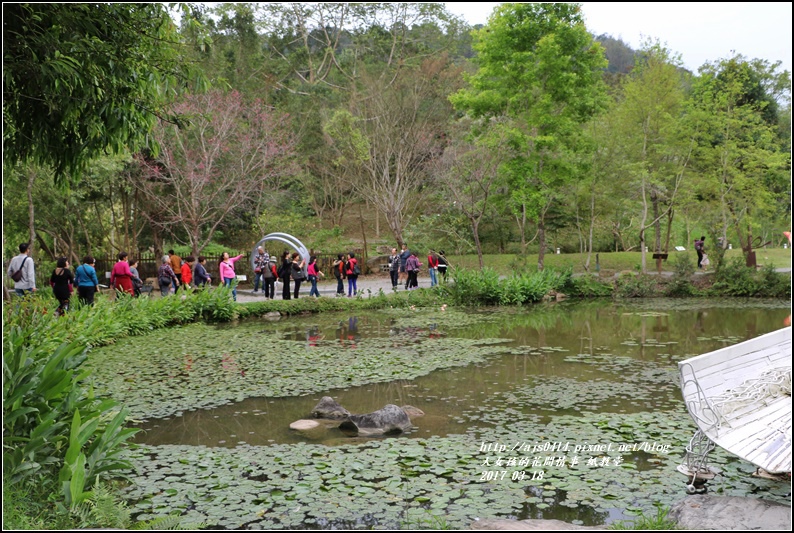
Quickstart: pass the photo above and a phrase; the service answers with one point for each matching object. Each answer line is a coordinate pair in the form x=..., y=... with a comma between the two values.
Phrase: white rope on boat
x=752, y=394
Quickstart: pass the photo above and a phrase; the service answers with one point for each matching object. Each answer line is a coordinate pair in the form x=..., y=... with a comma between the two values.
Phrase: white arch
x=287, y=239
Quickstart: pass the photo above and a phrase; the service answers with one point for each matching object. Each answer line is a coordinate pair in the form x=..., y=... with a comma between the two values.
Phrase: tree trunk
x=657, y=225
x=31, y=223
x=541, y=242
x=475, y=229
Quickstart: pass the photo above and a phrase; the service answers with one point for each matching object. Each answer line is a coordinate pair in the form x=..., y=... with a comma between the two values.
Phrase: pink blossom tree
x=225, y=153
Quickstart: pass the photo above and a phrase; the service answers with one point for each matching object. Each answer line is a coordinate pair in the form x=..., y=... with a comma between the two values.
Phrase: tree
x=83, y=79
x=215, y=164
x=390, y=135
x=657, y=149
x=538, y=65
x=740, y=151
x=468, y=172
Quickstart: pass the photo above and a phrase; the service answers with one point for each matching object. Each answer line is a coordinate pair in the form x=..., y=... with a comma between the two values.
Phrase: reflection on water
x=561, y=359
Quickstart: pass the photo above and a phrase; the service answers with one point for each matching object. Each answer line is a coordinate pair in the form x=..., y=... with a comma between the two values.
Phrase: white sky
x=699, y=31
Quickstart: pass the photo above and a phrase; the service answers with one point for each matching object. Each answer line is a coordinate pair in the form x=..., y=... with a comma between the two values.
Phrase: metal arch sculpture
x=290, y=241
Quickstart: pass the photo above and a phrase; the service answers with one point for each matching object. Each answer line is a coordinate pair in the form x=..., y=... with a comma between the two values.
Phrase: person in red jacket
x=187, y=271
x=432, y=268
x=121, y=276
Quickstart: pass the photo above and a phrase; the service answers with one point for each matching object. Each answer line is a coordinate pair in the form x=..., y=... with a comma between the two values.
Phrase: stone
x=528, y=525
x=272, y=315
x=329, y=408
x=730, y=513
x=390, y=419
x=304, y=425
x=412, y=412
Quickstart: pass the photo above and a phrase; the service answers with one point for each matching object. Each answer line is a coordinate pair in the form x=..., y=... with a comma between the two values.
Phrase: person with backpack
x=443, y=263
x=339, y=274
x=352, y=271
x=699, y=246
x=269, y=275
x=412, y=268
x=22, y=271
x=261, y=267
x=61, y=281
x=166, y=276
x=86, y=280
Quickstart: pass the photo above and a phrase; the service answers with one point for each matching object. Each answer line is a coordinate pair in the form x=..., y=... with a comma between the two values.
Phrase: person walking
x=394, y=268
x=700, y=245
x=404, y=255
x=61, y=281
x=443, y=263
x=121, y=276
x=166, y=277
x=87, y=282
x=176, y=267
x=137, y=282
x=313, y=274
x=269, y=279
x=432, y=268
x=187, y=271
x=200, y=275
x=227, y=274
x=352, y=270
x=298, y=275
x=412, y=268
x=22, y=271
x=339, y=274
x=284, y=272
x=261, y=267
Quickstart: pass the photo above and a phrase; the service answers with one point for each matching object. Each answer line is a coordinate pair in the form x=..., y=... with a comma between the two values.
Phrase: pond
x=569, y=411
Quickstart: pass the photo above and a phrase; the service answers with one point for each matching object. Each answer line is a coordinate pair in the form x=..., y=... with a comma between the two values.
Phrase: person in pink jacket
x=227, y=271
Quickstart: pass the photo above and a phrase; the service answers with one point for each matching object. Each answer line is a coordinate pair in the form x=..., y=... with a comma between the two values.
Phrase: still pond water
x=554, y=384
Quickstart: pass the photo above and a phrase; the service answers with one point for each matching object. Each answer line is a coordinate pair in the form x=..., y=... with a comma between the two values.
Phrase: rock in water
x=412, y=411
x=328, y=408
x=304, y=425
x=731, y=513
x=390, y=419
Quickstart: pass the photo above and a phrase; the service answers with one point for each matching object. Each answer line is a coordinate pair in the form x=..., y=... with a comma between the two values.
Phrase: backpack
x=17, y=276
x=356, y=269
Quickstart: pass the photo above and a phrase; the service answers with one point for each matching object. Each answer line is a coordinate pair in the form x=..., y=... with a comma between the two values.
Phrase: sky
x=699, y=31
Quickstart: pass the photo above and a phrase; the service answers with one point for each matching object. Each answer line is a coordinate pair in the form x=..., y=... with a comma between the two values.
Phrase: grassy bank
x=609, y=263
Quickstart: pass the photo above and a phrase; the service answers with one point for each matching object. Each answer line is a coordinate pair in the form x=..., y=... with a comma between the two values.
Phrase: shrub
x=635, y=286
x=587, y=286
x=681, y=284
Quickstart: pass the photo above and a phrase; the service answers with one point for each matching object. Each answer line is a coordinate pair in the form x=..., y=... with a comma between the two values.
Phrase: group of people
x=183, y=273
x=406, y=265
x=188, y=272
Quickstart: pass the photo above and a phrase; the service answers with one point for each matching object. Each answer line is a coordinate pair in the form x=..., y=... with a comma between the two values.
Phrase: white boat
x=740, y=399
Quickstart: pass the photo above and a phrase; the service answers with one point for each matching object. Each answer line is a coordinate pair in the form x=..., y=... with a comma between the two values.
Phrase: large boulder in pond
x=329, y=408
x=390, y=419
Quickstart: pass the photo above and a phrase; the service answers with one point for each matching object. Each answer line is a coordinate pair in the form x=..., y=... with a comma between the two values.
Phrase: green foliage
x=43, y=391
x=635, y=286
x=644, y=522
x=483, y=287
x=737, y=279
x=587, y=286
x=681, y=284
x=81, y=79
